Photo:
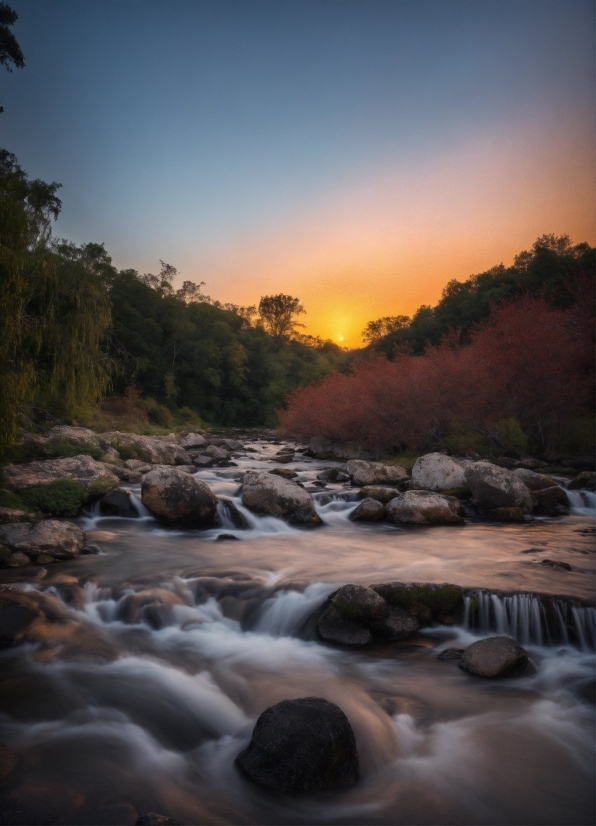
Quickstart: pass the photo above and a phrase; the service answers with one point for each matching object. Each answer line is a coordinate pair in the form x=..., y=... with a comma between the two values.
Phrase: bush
x=158, y=413
x=510, y=436
x=127, y=451
x=64, y=497
x=64, y=448
x=11, y=500
x=461, y=439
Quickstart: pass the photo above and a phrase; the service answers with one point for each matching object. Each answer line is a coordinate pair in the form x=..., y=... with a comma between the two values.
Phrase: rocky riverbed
x=222, y=576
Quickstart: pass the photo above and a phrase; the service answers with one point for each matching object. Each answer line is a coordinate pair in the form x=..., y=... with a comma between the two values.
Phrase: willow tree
x=54, y=304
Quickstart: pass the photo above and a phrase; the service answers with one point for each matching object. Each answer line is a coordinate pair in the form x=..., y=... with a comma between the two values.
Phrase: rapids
x=178, y=640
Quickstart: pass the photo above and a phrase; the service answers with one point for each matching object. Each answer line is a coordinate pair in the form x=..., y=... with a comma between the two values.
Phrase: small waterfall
x=141, y=510
x=531, y=619
x=582, y=502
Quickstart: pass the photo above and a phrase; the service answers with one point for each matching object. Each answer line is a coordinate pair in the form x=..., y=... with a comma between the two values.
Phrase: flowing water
x=171, y=643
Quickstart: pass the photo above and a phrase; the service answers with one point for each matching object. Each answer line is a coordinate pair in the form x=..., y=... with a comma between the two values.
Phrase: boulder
x=533, y=480
x=82, y=469
x=333, y=474
x=237, y=518
x=495, y=657
x=138, y=465
x=496, y=487
x=584, y=480
x=301, y=746
x=583, y=462
x=398, y=625
x=368, y=510
x=333, y=627
x=507, y=515
x=421, y=507
x=178, y=498
x=218, y=454
x=50, y=537
x=435, y=471
x=531, y=463
x=9, y=515
x=551, y=501
x=118, y=503
x=267, y=493
x=360, y=604
x=284, y=472
x=155, y=449
x=191, y=441
x=375, y=473
x=381, y=494
x=427, y=601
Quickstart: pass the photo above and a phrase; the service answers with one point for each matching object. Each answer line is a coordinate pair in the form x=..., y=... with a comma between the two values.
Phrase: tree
x=10, y=51
x=276, y=315
x=376, y=330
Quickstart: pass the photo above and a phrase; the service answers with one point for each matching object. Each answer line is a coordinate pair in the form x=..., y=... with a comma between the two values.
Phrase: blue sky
x=309, y=147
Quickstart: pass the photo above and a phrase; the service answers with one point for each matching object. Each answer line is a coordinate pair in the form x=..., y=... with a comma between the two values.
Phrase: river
x=173, y=642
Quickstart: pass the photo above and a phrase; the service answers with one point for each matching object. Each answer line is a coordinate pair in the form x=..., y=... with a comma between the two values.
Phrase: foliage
x=8, y=499
x=376, y=330
x=276, y=314
x=10, y=51
x=64, y=497
x=523, y=375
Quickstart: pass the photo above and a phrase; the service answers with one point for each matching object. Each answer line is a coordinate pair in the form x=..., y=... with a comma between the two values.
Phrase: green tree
x=10, y=51
x=276, y=314
x=376, y=330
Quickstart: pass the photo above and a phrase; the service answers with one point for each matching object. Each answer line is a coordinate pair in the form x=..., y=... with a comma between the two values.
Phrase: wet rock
x=368, y=510
x=399, y=624
x=333, y=627
x=17, y=560
x=375, y=473
x=333, y=474
x=191, y=441
x=284, y=472
x=82, y=469
x=203, y=461
x=283, y=458
x=534, y=481
x=506, y=515
x=427, y=601
x=420, y=507
x=153, y=819
x=495, y=657
x=301, y=746
x=138, y=465
x=227, y=537
x=380, y=493
x=583, y=481
x=14, y=618
x=451, y=654
x=11, y=515
x=551, y=501
x=267, y=493
x=60, y=540
x=360, y=604
x=118, y=503
x=551, y=563
x=495, y=487
x=238, y=518
x=218, y=454
x=437, y=472
x=179, y=499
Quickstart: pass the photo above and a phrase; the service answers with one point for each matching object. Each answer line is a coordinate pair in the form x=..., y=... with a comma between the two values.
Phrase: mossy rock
x=65, y=497
x=129, y=451
x=102, y=486
x=445, y=602
x=506, y=515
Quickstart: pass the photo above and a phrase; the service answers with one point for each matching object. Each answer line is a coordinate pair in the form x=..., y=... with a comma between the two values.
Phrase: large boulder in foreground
x=495, y=657
x=301, y=746
x=177, y=498
x=422, y=507
x=375, y=473
x=82, y=469
x=495, y=487
x=267, y=493
x=435, y=471
x=42, y=543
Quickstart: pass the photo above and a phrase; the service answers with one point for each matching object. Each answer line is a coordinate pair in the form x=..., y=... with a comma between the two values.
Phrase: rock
x=533, y=480
x=420, y=507
x=551, y=501
x=360, y=604
x=10, y=515
x=237, y=517
x=381, y=494
x=17, y=560
x=368, y=510
x=451, y=654
x=284, y=472
x=60, y=540
x=584, y=480
x=301, y=746
x=153, y=819
x=179, y=499
x=155, y=449
x=398, y=625
x=14, y=618
x=333, y=474
x=374, y=473
x=583, y=462
x=203, y=461
x=495, y=487
x=110, y=453
x=426, y=601
x=267, y=493
x=551, y=563
x=218, y=454
x=437, y=472
x=191, y=441
x=507, y=462
x=332, y=627
x=495, y=657
x=227, y=537
x=506, y=515
x=138, y=465
x=531, y=463
x=82, y=469
x=118, y=503
x=283, y=458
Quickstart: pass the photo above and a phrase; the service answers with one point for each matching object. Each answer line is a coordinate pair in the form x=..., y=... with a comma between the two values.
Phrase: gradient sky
x=357, y=155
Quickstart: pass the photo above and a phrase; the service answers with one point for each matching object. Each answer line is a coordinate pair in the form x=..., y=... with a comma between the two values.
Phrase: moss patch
x=101, y=486
x=444, y=601
x=11, y=500
x=64, y=497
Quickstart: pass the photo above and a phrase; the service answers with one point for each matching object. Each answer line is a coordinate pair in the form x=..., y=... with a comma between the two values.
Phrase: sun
x=340, y=338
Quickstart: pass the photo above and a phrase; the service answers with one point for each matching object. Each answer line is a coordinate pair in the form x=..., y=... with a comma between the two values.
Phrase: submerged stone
x=495, y=657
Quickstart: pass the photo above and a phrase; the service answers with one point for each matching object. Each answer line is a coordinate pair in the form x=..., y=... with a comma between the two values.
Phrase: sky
x=357, y=155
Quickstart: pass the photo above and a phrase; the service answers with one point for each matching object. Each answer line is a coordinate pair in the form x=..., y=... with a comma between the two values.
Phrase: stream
x=176, y=641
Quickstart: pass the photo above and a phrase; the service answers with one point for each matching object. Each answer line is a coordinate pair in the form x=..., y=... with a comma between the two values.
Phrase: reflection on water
x=172, y=643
